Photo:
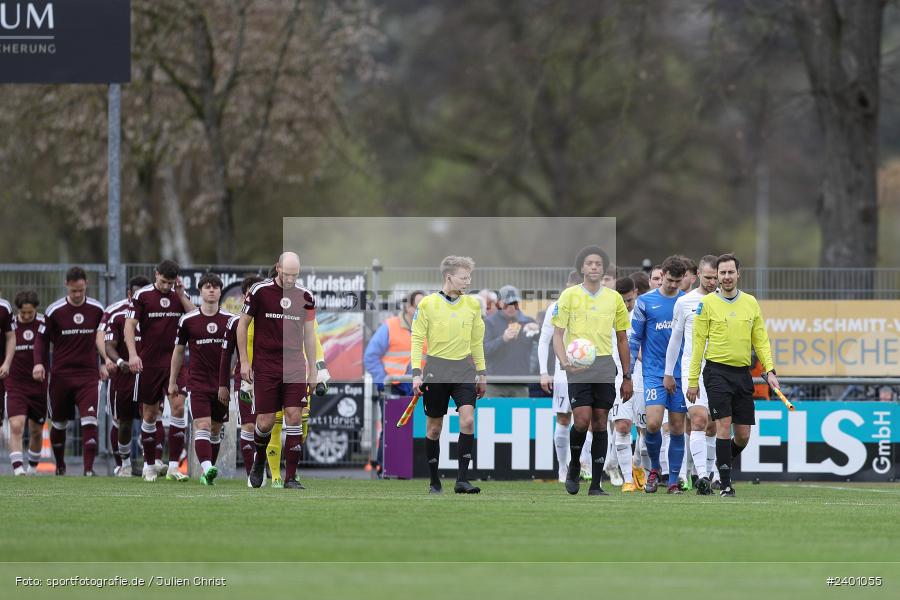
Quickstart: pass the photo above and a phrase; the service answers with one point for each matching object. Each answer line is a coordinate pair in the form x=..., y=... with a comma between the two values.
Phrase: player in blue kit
x=651, y=329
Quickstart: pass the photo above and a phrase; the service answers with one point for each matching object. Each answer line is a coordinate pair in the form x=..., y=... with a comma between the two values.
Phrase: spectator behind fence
x=388, y=350
x=509, y=338
x=488, y=302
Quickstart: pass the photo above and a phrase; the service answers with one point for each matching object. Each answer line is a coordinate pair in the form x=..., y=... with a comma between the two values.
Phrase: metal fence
x=48, y=280
x=771, y=283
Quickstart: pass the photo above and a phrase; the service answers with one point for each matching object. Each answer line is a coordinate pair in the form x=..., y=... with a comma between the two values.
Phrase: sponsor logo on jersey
x=663, y=325
x=281, y=316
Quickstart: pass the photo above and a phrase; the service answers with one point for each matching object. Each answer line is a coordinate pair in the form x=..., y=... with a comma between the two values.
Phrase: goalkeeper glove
x=246, y=392
x=322, y=380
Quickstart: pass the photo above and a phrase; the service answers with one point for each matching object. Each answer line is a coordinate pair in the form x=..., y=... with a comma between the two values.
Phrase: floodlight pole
x=115, y=271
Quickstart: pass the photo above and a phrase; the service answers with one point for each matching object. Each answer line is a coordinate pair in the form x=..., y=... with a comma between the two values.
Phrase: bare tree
x=261, y=82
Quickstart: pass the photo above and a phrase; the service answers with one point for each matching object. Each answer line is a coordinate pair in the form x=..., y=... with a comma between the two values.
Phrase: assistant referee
x=450, y=322
x=727, y=324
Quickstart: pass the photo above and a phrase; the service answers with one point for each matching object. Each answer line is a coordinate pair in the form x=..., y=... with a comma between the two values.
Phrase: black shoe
x=293, y=484
x=435, y=488
x=704, y=486
x=717, y=485
x=257, y=473
x=727, y=492
x=464, y=487
x=61, y=469
x=572, y=486
x=694, y=480
x=597, y=491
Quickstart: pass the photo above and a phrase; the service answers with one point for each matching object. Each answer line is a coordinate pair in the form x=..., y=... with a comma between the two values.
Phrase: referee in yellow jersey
x=727, y=324
x=451, y=323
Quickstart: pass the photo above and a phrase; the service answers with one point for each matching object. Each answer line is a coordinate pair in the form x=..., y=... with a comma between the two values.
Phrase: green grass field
x=388, y=539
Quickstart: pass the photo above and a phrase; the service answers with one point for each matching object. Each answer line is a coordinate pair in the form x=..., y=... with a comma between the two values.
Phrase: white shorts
x=561, y=393
x=702, y=398
x=634, y=410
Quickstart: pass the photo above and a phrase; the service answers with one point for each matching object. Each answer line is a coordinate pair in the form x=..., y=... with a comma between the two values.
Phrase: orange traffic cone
x=47, y=464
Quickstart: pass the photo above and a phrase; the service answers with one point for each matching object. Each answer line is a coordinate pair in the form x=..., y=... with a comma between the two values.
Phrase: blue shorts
x=655, y=394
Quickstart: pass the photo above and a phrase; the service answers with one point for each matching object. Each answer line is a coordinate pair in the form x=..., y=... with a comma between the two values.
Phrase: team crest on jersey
x=78, y=318
x=285, y=303
x=212, y=328
x=28, y=335
x=165, y=302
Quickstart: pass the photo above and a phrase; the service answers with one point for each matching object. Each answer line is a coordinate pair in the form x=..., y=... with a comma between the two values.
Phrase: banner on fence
x=858, y=338
x=338, y=314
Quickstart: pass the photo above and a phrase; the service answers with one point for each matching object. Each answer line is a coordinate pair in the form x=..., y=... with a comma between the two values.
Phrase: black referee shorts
x=445, y=379
x=595, y=395
x=730, y=393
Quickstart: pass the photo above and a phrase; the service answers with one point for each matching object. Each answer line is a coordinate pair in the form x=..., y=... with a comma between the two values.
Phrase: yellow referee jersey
x=728, y=329
x=591, y=316
x=454, y=330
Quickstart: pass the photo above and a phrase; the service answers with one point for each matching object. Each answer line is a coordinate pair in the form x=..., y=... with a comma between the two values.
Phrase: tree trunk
x=174, y=218
x=224, y=199
x=841, y=45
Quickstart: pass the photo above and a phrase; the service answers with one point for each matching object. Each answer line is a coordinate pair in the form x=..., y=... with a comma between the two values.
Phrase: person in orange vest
x=760, y=390
x=388, y=353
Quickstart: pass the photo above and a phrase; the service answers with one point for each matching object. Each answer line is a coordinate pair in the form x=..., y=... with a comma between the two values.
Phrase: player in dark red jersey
x=26, y=399
x=122, y=396
x=156, y=309
x=244, y=400
x=70, y=327
x=134, y=284
x=203, y=331
x=284, y=359
x=7, y=346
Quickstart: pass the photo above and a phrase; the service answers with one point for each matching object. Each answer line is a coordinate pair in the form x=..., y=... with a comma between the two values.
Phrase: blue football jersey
x=651, y=328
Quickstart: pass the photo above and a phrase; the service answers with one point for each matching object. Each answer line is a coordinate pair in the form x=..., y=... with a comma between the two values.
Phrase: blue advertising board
x=838, y=441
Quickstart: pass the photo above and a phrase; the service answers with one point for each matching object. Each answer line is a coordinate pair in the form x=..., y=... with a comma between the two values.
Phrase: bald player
x=284, y=360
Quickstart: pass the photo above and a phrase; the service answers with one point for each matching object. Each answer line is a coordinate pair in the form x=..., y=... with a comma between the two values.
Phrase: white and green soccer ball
x=581, y=352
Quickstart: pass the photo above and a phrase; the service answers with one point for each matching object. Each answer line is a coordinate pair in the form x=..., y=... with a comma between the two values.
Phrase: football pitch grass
x=389, y=539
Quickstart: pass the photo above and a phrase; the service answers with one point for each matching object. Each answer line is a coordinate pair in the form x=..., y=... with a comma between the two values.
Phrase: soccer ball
x=581, y=352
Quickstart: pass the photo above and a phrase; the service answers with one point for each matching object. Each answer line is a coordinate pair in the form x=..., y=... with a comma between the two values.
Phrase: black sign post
x=65, y=41
x=75, y=41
